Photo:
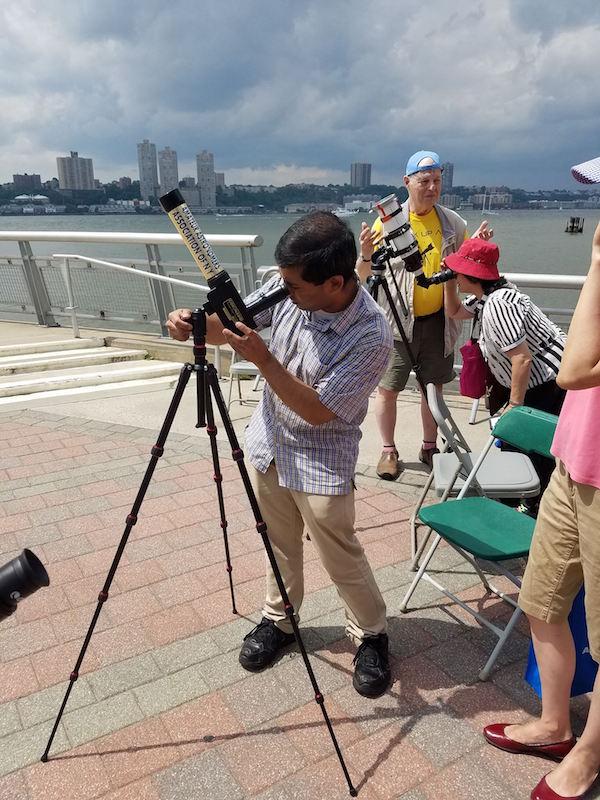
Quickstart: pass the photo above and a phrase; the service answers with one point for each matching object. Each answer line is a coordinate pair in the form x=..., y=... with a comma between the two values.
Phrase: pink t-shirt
x=577, y=438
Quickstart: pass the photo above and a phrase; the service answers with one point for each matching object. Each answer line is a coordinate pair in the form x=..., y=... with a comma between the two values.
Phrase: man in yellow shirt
x=439, y=232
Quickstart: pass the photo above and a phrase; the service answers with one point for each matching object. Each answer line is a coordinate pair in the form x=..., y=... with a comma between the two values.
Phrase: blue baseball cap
x=422, y=161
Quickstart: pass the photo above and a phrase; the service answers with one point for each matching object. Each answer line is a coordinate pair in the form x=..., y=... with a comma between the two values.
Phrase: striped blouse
x=507, y=318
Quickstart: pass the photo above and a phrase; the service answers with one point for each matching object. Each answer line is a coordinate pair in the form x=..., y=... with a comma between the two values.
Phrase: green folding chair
x=483, y=530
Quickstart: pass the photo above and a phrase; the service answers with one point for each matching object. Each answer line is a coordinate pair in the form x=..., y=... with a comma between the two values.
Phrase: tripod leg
x=211, y=429
x=238, y=456
x=132, y=517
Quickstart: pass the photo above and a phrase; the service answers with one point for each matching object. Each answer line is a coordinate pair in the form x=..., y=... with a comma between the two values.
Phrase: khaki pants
x=330, y=520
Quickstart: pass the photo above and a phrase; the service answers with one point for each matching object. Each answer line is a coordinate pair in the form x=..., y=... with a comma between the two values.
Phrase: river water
x=529, y=241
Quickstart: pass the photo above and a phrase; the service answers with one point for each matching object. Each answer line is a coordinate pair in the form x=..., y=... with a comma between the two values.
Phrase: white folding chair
x=239, y=369
x=501, y=475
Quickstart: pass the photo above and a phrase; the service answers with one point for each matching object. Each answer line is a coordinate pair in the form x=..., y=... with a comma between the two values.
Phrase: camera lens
x=19, y=578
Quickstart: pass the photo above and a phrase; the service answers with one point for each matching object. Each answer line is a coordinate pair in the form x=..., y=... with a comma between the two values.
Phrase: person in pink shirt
x=565, y=553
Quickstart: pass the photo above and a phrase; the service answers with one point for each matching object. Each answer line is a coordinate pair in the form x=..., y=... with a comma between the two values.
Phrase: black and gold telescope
x=223, y=298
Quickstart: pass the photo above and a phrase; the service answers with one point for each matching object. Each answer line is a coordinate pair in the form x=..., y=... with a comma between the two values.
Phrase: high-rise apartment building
x=27, y=181
x=220, y=179
x=447, y=177
x=360, y=174
x=205, y=166
x=149, y=185
x=168, y=172
x=75, y=172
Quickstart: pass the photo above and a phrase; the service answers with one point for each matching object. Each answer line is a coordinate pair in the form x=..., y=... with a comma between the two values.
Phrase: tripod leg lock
x=73, y=676
x=131, y=519
x=103, y=597
x=211, y=430
x=237, y=455
x=157, y=450
x=319, y=698
x=261, y=527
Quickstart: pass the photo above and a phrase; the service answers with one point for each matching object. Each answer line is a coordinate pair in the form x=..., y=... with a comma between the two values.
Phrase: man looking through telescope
x=330, y=344
x=432, y=336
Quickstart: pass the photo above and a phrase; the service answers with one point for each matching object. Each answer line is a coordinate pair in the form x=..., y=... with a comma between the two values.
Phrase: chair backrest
x=450, y=431
x=528, y=429
x=445, y=422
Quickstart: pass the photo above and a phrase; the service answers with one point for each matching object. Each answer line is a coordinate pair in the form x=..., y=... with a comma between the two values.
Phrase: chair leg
x=420, y=573
x=229, y=392
x=421, y=549
x=474, y=410
x=413, y=520
x=510, y=625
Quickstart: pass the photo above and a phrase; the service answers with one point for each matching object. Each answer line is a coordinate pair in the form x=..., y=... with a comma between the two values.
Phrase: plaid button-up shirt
x=342, y=356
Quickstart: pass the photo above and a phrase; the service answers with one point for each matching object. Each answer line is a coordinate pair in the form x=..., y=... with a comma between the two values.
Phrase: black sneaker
x=262, y=644
x=372, y=672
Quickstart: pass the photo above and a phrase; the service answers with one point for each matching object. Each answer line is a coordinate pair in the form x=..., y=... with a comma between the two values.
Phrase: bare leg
x=385, y=414
x=578, y=770
x=555, y=653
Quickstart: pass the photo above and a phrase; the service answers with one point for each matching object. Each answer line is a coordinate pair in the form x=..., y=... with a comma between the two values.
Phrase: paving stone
x=184, y=653
x=76, y=774
x=441, y=736
x=25, y=747
x=9, y=719
x=44, y=705
x=258, y=698
x=124, y=675
x=203, y=776
x=13, y=787
x=170, y=691
x=229, y=637
x=101, y=718
x=222, y=670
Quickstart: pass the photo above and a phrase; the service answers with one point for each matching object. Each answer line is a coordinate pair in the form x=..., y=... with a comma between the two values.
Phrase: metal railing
x=32, y=288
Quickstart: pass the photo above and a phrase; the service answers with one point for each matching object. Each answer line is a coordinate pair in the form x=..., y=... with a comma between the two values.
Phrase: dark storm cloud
x=298, y=90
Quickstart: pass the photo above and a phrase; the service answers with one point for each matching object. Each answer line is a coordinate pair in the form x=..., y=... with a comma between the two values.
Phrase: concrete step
x=80, y=393
x=89, y=375
x=52, y=360
x=49, y=346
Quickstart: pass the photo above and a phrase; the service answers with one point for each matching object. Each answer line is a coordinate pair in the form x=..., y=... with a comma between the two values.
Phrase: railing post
x=162, y=293
x=72, y=308
x=37, y=287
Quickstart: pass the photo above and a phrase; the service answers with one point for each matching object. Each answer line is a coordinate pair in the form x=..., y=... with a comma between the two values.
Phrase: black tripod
x=207, y=386
x=380, y=263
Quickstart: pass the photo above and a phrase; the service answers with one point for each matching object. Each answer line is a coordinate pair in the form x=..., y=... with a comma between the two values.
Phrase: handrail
x=72, y=308
x=545, y=281
x=108, y=237
x=131, y=270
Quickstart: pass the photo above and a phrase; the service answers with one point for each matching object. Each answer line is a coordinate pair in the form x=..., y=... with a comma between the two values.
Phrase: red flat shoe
x=543, y=792
x=495, y=735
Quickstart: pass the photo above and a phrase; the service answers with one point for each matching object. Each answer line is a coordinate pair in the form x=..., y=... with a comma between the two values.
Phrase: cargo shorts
x=427, y=347
x=564, y=554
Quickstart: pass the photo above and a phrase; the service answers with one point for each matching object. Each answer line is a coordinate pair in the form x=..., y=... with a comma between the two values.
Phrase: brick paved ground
x=163, y=710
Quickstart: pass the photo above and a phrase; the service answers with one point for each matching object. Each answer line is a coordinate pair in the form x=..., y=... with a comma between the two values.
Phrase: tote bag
x=474, y=371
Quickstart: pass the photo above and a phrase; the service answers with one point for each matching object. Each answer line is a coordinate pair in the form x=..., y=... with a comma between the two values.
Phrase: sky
x=286, y=91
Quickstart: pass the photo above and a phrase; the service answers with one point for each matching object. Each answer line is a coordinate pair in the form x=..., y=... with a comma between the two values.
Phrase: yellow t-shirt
x=427, y=230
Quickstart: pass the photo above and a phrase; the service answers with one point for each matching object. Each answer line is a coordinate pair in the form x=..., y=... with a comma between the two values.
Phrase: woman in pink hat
x=522, y=347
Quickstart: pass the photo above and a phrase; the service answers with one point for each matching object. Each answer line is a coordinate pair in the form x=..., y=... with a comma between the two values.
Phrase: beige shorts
x=565, y=553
